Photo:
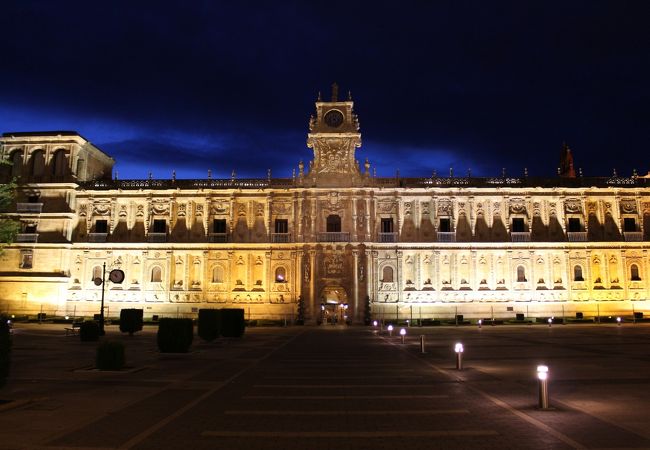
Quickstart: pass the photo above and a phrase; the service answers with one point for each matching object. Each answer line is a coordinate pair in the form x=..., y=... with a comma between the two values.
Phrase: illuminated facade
x=333, y=235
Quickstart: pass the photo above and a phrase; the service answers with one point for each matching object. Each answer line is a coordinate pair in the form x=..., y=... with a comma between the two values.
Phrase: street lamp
x=390, y=330
x=542, y=376
x=458, y=348
x=402, y=333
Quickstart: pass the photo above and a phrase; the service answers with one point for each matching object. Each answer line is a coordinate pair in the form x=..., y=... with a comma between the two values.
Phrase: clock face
x=334, y=118
x=116, y=276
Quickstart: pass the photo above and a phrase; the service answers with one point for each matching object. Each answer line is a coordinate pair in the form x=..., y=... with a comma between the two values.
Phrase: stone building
x=343, y=242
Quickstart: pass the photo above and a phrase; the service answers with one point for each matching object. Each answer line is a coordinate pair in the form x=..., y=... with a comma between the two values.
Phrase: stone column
x=315, y=311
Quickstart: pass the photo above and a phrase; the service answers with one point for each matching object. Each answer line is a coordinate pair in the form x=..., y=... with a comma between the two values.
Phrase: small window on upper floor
x=97, y=273
x=634, y=273
x=281, y=226
x=333, y=223
x=575, y=226
x=26, y=259
x=387, y=274
x=629, y=224
x=521, y=274
x=219, y=226
x=159, y=226
x=387, y=225
x=445, y=225
x=577, y=273
x=156, y=274
x=101, y=226
x=280, y=275
x=518, y=225
x=30, y=228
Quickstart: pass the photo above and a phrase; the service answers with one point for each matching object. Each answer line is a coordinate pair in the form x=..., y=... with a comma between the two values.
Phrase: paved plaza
x=334, y=387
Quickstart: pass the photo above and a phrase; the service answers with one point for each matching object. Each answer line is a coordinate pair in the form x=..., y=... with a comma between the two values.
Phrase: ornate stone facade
x=334, y=235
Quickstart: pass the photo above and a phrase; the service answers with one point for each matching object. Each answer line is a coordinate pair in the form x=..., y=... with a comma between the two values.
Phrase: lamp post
x=402, y=333
x=542, y=376
x=458, y=348
x=390, y=330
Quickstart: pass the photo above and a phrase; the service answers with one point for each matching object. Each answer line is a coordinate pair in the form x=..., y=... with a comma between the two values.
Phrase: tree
x=9, y=228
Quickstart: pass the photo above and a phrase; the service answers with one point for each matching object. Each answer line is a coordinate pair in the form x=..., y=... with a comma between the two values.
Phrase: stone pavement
x=334, y=387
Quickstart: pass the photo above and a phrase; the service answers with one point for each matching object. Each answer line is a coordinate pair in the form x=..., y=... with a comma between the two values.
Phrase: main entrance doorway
x=334, y=306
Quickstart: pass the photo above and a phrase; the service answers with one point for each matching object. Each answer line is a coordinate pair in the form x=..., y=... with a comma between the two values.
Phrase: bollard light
x=402, y=333
x=67, y=317
x=550, y=322
x=458, y=348
x=390, y=330
x=374, y=323
x=618, y=320
x=542, y=376
x=480, y=323
x=422, y=344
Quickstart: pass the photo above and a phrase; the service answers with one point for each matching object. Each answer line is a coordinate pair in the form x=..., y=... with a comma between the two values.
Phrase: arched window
x=280, y=275
x=387, y=274
x=97, y=272
x=521, y=274
x=217, y=274
x=37, y=168
x=577, y=273
x=156, y=274
x=333, y=223
x=16, y=163
x=59, y=163
x=634, y=273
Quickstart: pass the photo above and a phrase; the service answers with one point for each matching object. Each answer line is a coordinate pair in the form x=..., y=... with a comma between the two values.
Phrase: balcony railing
x=27, y=237
x=341, y=236
x=30, y=208
x=280, y=238
x=577, y=236
x=387, y=237
x=218, y=238
x=157, y=237
x=446, y=236
x=97, y=237
x=520, y=236
x=633, y=236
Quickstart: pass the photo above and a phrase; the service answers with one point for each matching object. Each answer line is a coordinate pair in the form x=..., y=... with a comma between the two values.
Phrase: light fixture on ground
x=458, y=348
x=480, y=323
x=402, y=333
x=550, y=322
x=542, y=376
x=390, y=330
x=618, y=321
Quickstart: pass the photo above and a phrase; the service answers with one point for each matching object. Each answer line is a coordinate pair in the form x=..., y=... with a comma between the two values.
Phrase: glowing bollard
x=550, y=322
x=618, y=321
x=422, y=344
x=374, y=326
x=402, y=333
x=390, y=330
x=480, y=323
x=542, y=376
x=459, y=356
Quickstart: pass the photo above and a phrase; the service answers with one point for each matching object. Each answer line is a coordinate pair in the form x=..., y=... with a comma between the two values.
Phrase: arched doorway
x=334, y=306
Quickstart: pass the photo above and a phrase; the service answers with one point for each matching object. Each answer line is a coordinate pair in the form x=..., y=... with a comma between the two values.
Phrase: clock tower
x=334, y=135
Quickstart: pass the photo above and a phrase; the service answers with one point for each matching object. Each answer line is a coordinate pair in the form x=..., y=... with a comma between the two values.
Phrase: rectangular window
x=30, y=228
x=33, y=199
x=101, y=226
x=574, y=225
x=219, y=226
x=445, y=225
x=26, y=259
x=387, y=225
x=629, y=224
x=281, y=226
x=518, y=225
x=159, y=226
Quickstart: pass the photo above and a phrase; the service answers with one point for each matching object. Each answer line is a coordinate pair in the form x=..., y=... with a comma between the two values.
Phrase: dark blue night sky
x=197, y=85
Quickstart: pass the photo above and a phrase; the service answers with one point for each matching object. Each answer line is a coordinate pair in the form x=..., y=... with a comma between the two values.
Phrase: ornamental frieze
x=517, y=206
x=387, y=207
x=281, y=207
x=628, y=206
x=160, y=207
x=220, y=208
x=445, y=208
x=102, y=208
x=573, y=205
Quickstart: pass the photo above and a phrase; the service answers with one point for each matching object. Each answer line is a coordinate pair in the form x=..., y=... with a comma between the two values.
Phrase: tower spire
x=566, y=162
x=335, y=92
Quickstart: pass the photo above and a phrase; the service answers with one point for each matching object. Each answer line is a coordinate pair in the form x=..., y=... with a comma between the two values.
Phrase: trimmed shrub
x=232, y=322
x=110, y=356
x=89, y=331
x=209, y=326
x=5, y=349
x=131, y=320
x=175, y=335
